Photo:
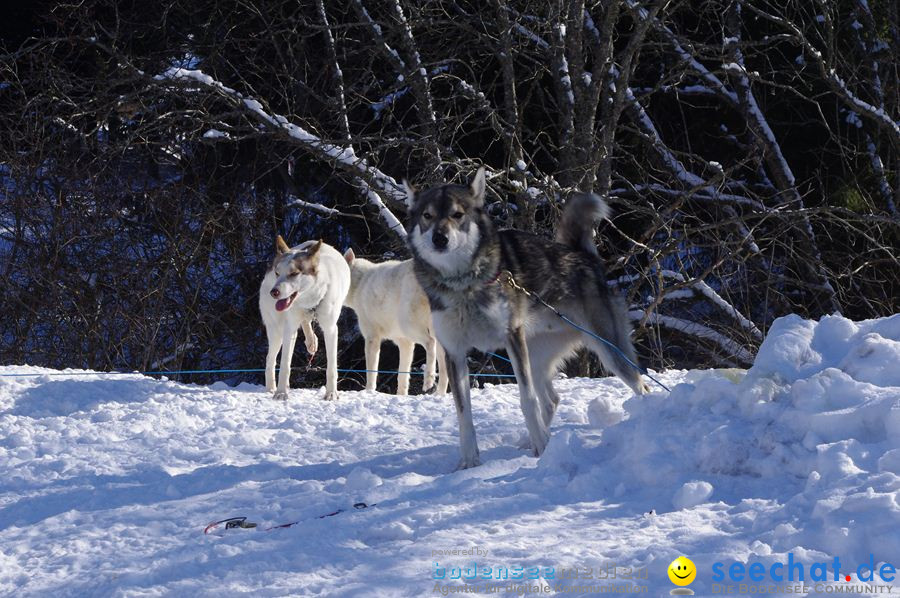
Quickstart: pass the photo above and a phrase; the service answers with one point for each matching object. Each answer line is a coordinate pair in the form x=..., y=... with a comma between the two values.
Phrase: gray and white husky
x=304, y=283
x=463, y=264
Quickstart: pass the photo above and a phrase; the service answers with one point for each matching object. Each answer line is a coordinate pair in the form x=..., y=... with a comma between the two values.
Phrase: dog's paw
x=331, y=396
x=539, y=444
x=468, y=463
x=281, y=395
x=524, y=442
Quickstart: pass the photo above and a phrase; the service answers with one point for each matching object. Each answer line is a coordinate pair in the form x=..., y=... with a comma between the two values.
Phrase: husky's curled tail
x=576, y=231
x=580, y=214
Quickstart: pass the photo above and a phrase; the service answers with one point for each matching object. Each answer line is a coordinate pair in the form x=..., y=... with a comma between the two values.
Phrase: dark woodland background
x=151, y=151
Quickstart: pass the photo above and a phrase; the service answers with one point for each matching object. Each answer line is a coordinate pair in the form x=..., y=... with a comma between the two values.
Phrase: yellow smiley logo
x=682, y=571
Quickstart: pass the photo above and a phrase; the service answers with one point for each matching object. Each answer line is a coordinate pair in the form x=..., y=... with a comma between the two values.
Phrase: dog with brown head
x=305, y=283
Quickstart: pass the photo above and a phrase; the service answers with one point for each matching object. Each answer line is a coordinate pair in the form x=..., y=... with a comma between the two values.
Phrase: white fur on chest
x=467, y=324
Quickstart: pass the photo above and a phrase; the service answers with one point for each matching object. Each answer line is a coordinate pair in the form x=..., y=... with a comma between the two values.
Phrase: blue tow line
x=244, y=371
x=614, y=348
x=498, y=356
x=256, y=370
x=513, y=284
x=343, y=371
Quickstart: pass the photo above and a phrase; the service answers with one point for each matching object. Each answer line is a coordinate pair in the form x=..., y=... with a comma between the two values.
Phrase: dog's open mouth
x=283, y=304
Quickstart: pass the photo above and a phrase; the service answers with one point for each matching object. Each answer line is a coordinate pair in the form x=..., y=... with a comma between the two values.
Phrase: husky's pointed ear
x=312, y=257
x=477, y=187
x=410, y=194
x=307, y=261
x=349, y=255
x=280, y=246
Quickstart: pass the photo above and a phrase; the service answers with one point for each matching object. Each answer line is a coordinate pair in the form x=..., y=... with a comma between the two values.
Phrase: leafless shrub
x=749, y=149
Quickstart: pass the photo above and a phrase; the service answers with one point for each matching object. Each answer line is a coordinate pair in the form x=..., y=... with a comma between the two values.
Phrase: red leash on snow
x=241, y=522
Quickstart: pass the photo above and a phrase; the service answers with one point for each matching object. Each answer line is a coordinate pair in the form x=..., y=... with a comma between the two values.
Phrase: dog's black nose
x=275, y=293
x=439, y=239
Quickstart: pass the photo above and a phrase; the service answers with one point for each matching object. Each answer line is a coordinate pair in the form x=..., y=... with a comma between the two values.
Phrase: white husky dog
x=304, y=283
x=390, y=305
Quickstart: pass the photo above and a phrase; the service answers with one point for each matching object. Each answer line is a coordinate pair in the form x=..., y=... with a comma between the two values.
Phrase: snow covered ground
x=107, y=482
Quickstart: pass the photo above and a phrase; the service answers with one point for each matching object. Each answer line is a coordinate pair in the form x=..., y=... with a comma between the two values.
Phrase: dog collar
x=495, y=278
x=465, y=280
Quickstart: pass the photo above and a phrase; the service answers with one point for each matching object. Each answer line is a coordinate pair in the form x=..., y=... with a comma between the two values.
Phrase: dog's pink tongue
x=282, y=304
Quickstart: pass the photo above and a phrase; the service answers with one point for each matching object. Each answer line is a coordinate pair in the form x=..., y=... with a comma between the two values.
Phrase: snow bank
x=813, y=428
x=867, y=351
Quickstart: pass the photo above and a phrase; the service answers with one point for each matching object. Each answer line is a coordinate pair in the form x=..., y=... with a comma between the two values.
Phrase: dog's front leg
x=288, y=340
x=458, y=372
x=531, y=408
x=309, y=338
x=330, y=331
x=274, y=345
